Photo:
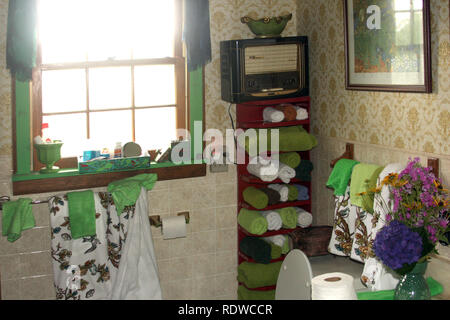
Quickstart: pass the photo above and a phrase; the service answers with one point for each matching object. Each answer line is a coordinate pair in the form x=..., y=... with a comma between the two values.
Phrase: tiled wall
x=200, y=266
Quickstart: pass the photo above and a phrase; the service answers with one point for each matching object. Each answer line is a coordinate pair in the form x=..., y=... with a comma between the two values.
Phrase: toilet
x=295, y=277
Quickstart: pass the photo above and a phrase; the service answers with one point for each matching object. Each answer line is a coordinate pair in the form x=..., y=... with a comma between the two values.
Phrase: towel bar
x=348, y=154
x=4, y=199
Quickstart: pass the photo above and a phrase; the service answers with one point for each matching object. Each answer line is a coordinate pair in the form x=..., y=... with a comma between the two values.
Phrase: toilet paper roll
x=333, y=286
x=173, y=227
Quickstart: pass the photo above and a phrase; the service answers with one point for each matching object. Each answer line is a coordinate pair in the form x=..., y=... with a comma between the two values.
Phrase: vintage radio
x=266, y=68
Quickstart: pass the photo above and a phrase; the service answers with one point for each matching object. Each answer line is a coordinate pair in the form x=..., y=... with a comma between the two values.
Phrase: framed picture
x=388, y=45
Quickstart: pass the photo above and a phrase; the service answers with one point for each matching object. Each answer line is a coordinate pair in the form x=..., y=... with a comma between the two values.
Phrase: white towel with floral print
x=92, y=267
x=376, y=275
x=341, y=240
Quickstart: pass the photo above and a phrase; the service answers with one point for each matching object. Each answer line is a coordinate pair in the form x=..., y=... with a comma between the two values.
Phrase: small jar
x=118, y=150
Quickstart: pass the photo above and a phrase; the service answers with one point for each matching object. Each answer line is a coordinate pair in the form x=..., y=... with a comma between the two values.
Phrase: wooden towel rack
x=349, y=153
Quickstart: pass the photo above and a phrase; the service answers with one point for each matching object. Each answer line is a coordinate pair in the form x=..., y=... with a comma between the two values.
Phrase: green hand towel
x=340, y=176
x=82, y=213
x=293, y=138
x=246, y=294
x=291, y=159
x=125, y=192
x=303, y=171
x=292, y=193
x=252, y=221
x=288, y=217
x=257, y=249
x=275, y=251
x=255, y=275
x=364, y=177
x=255, y=197
x=435, y=289
x=17, y=216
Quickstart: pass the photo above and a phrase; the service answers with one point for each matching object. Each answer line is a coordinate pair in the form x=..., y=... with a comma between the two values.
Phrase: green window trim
x=24, y=141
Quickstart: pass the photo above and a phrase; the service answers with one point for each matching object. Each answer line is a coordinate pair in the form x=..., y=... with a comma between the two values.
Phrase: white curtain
x=117, y=263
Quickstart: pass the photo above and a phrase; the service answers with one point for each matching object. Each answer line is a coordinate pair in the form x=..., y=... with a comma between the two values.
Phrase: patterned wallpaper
x=5, y=86
x=414, y=122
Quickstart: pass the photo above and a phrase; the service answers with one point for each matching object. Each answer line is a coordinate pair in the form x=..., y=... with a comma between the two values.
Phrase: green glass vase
x=413, y=286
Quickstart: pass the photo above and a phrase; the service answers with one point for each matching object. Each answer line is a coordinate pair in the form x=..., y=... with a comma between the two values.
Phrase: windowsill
x=71, y=179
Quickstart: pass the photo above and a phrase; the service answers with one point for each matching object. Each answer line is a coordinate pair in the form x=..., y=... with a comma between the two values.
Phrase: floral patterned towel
x=90, y=267
x=375, y=275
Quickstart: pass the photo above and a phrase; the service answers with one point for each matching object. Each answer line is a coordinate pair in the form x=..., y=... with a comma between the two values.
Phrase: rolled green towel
x=257, y=249
x=285, y=249
x=340, y=176
x=364, y=177
x=125, y=192
x=303, y=171
x=291, y=159
x=292, y=138
x=275, y=251
x=255, y=197
x=288, y=217
x=252, y=221
x=435, y=289
x=82, y=214
x=246, y=294
x=292, y=193
x=255, y=275
x=17, y=216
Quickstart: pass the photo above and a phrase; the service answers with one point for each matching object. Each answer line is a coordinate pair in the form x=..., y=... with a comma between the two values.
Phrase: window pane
x=154, y=85
x=155, y=127
x=61, y=32
x=109, y=88
x=110, y=127
x=70, y=129
x=63, y=90
x=153, y=37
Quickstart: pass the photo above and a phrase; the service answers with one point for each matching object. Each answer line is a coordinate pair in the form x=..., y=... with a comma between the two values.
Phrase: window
x=109, y=71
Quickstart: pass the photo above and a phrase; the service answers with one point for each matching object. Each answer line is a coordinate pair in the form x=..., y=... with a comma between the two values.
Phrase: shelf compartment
x=277, y=206
x=268, y=233
x=267, y=125
x=248, y=259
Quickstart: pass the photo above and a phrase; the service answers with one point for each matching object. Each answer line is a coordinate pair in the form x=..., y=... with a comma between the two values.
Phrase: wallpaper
x=5, y=87
x=417, y=122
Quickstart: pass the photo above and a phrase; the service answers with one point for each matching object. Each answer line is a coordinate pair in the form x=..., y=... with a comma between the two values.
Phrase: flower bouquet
x=416, y=217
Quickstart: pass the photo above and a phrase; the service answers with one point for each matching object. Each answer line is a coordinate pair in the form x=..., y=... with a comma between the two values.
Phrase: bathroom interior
x=382, y=128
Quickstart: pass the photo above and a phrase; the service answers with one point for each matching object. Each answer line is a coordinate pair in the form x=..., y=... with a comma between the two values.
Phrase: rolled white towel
x=262, y=168
x=302, y=113
x=304, y=218
x=272, y=115
x=285, y=173
x=273, y=219
x=277, y=240
x=283, y=190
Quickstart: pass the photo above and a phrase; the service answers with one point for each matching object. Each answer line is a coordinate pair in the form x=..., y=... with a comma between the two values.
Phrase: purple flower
x=396, y=245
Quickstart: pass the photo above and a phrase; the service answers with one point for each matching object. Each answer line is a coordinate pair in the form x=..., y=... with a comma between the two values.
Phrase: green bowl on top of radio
x=48, y=154
x=267, y=27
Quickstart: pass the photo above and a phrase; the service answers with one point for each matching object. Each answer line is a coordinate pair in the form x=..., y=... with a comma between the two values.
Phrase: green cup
x=48, y=154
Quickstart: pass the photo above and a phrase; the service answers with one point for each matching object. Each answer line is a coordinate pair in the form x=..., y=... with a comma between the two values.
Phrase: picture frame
x=388, y=45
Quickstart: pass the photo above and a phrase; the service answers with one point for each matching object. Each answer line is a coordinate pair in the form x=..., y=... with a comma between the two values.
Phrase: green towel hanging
x=17, y=216
x=81, y=213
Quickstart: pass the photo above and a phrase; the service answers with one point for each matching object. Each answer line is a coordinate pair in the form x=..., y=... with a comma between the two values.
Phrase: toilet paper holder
x=157, y=222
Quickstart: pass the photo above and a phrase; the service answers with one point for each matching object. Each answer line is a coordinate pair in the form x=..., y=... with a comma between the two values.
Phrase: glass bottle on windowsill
x=118, y=150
